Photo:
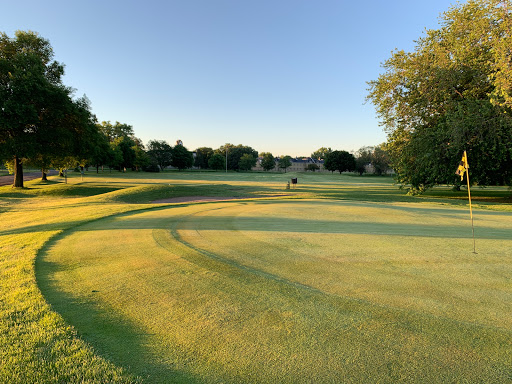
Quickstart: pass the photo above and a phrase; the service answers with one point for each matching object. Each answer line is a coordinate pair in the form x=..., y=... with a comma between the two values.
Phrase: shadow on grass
x=107, y=331
x=148, y=193
x=326, y=327
x=310, y=225
x=55, y=189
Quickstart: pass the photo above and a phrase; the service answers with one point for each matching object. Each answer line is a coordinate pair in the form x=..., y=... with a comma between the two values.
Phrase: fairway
x=290, y=290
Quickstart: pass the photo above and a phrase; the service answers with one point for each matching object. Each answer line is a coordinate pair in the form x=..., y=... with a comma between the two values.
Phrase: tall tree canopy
x=284, y=162
x=114, y=131
x=161, y=152
x=182, y=158
x=267, y=161
x=321, y=153
x=34, y=104
x=340, y=161
x=235, y=153
x=246, y=162
x=453, y=93
x=376, y=156
x=203, y=155
x=217, y=162
x=126, y=149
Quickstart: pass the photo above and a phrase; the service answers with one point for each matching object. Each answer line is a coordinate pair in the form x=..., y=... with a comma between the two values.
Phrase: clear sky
x=282, y=76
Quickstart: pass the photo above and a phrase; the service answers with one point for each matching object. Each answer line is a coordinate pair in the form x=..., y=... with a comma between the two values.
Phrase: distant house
x=299, y=164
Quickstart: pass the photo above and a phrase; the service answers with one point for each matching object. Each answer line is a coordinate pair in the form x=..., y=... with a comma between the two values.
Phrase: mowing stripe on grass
x=207, y=287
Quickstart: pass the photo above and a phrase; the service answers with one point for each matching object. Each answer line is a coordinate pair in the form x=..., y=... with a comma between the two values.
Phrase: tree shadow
x=333, y=316
x=421, y=228
x=106, y=330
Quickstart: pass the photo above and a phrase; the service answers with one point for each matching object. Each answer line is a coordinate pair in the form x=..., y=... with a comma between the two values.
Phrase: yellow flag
x=463, y=166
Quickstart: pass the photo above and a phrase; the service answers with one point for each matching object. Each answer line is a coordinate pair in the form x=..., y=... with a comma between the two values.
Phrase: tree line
x=43, y=125
x=453, y=93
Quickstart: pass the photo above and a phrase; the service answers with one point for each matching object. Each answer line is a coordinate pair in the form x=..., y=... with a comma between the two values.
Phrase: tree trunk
x=43, y=175
x=18, y=173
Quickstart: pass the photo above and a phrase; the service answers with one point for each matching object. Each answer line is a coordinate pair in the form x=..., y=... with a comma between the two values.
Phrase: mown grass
x=343, y=279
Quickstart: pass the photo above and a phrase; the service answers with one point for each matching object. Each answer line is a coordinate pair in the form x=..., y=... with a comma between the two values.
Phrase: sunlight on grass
x=342, y=279
x=229, y=285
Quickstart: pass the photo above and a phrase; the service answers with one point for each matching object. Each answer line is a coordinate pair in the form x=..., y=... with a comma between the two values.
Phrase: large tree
x=235, y=153
x=268, y=161
x=102, y=153
x=33, y=100
x=363, y=159
x=125, y=147
x=182, y=158
x=340, y=161
x=203, y=155
x=376, y=156
x=451, y=94
x=161, y=152
x=285, y=162
x=217, y=162
x=142, y=159
x=82, y=133
x=114, y=131
x=321, y=153
x=246, y=162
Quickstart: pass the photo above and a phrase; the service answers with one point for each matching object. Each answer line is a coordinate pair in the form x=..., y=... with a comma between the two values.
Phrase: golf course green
x=344, y=279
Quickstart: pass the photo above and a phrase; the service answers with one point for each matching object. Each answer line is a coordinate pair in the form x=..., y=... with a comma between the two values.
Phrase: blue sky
x=283, y=76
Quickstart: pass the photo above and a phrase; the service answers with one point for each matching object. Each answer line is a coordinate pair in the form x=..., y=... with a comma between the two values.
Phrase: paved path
x=9, y=179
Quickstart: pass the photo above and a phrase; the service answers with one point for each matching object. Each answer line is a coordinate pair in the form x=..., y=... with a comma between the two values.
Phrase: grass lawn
x=344, y=279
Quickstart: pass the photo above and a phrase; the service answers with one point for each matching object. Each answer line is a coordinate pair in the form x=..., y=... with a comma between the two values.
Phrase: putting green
x=291, y=291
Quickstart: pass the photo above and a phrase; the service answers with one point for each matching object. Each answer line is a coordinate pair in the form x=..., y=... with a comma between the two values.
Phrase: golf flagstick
x=464, y=168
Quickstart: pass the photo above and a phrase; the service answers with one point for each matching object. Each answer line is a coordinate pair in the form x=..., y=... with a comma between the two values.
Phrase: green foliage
x=284, y=162
x=312, y=167
x=246, y=162
x=125, y=149
x=340, y=161
x=376, y=157
x=321, y=153
x=181, y=157
x=142, y=159
x=115, y=131
x=203, y=155
x=63, y=163
x=235, y=153
x=363, y=159
x=268, y=161
x=217, y=162
x=66, y=317
x=116, y=159
x=124, y=155
x=35, y=107
x=9, y=165
x=102, y=153
x=39, y=121
x=451, y=94
x=380, y=161
x=161, y=152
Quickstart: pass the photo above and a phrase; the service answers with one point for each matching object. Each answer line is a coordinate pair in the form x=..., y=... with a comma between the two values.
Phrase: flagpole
x=470, y=208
